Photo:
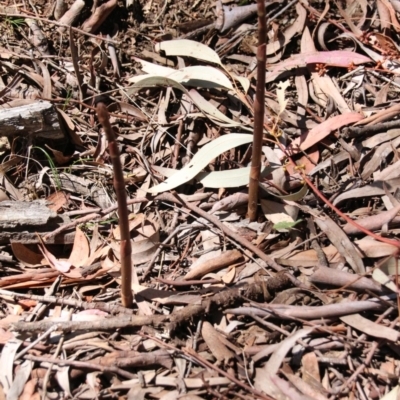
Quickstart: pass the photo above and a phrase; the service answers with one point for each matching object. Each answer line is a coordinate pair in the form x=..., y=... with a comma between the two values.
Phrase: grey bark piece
x=85, y=188
x=26, y=237
x=39, y=118
x=20, y=221
x=22, y=213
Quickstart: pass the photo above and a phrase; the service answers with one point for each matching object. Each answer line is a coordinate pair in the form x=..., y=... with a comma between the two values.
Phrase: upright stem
x=259, y=109
x=119, y=186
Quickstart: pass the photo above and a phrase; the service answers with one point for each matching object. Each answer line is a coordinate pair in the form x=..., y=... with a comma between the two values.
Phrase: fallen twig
x=223, y=298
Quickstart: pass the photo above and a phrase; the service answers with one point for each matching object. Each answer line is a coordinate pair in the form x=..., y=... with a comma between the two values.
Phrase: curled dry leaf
x=226, y=259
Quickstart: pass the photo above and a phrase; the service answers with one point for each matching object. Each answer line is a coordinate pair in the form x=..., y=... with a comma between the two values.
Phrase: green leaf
x=286, y=225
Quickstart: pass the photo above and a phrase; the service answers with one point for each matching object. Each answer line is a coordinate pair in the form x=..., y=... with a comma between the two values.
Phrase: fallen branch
x=224, y=298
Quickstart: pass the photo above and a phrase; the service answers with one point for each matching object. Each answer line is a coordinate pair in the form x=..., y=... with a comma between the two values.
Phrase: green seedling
x=90, y=225
x=14, y=23
x=286, y=225
x=68, y=98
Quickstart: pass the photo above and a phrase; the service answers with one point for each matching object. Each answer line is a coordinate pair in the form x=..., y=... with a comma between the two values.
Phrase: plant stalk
x=119, y=186
x=259, y=110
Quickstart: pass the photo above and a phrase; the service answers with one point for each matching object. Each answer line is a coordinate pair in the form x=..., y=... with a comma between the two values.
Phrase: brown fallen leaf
x=226, y=259
x=373, y=222
x=223, y=355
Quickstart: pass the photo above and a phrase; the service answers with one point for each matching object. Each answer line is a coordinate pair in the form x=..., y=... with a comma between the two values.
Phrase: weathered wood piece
x=20, y=221
x=85, y=188
x=38, y=118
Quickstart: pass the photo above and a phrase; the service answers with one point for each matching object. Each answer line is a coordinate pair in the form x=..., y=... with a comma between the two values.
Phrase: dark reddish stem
x=119, y=186
x=259, y=109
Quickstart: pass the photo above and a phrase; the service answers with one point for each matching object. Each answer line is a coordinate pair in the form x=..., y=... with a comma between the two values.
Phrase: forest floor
x=301, y=303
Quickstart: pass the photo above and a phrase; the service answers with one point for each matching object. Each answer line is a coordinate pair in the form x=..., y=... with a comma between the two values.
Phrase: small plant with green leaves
x=52, y=166
x=67, y=98
x=285, y=226
x=14, y=23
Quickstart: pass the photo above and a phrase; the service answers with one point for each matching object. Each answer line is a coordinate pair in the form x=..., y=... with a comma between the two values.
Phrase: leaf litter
x=301, y=303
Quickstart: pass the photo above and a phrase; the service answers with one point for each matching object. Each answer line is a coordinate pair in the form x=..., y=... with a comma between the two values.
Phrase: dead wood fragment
x=69, y=18
x=355, y=131
x=221, y=299
x=228, y=16
x=38, y=38
x=92, y=24
x=15, y=214
x=19, y=220
x=135, y=359
x=107, y=307
x=39, y=118
x=59, y=9
x=82, y=365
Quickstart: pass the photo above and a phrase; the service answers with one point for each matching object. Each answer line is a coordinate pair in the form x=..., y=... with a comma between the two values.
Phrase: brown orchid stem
x=259, y=109
x=119, y=186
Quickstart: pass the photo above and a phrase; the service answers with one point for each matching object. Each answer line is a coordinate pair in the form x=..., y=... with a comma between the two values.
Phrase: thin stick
x=258, y=112
x=119, y=186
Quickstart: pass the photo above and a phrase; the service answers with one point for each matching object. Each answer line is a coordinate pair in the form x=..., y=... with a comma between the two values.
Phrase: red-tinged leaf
x=27, y=303
x=80, y=250
x=316, y=134
x=57, y=200
x=338, y=58
x=60, y=265
x=26, y=254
